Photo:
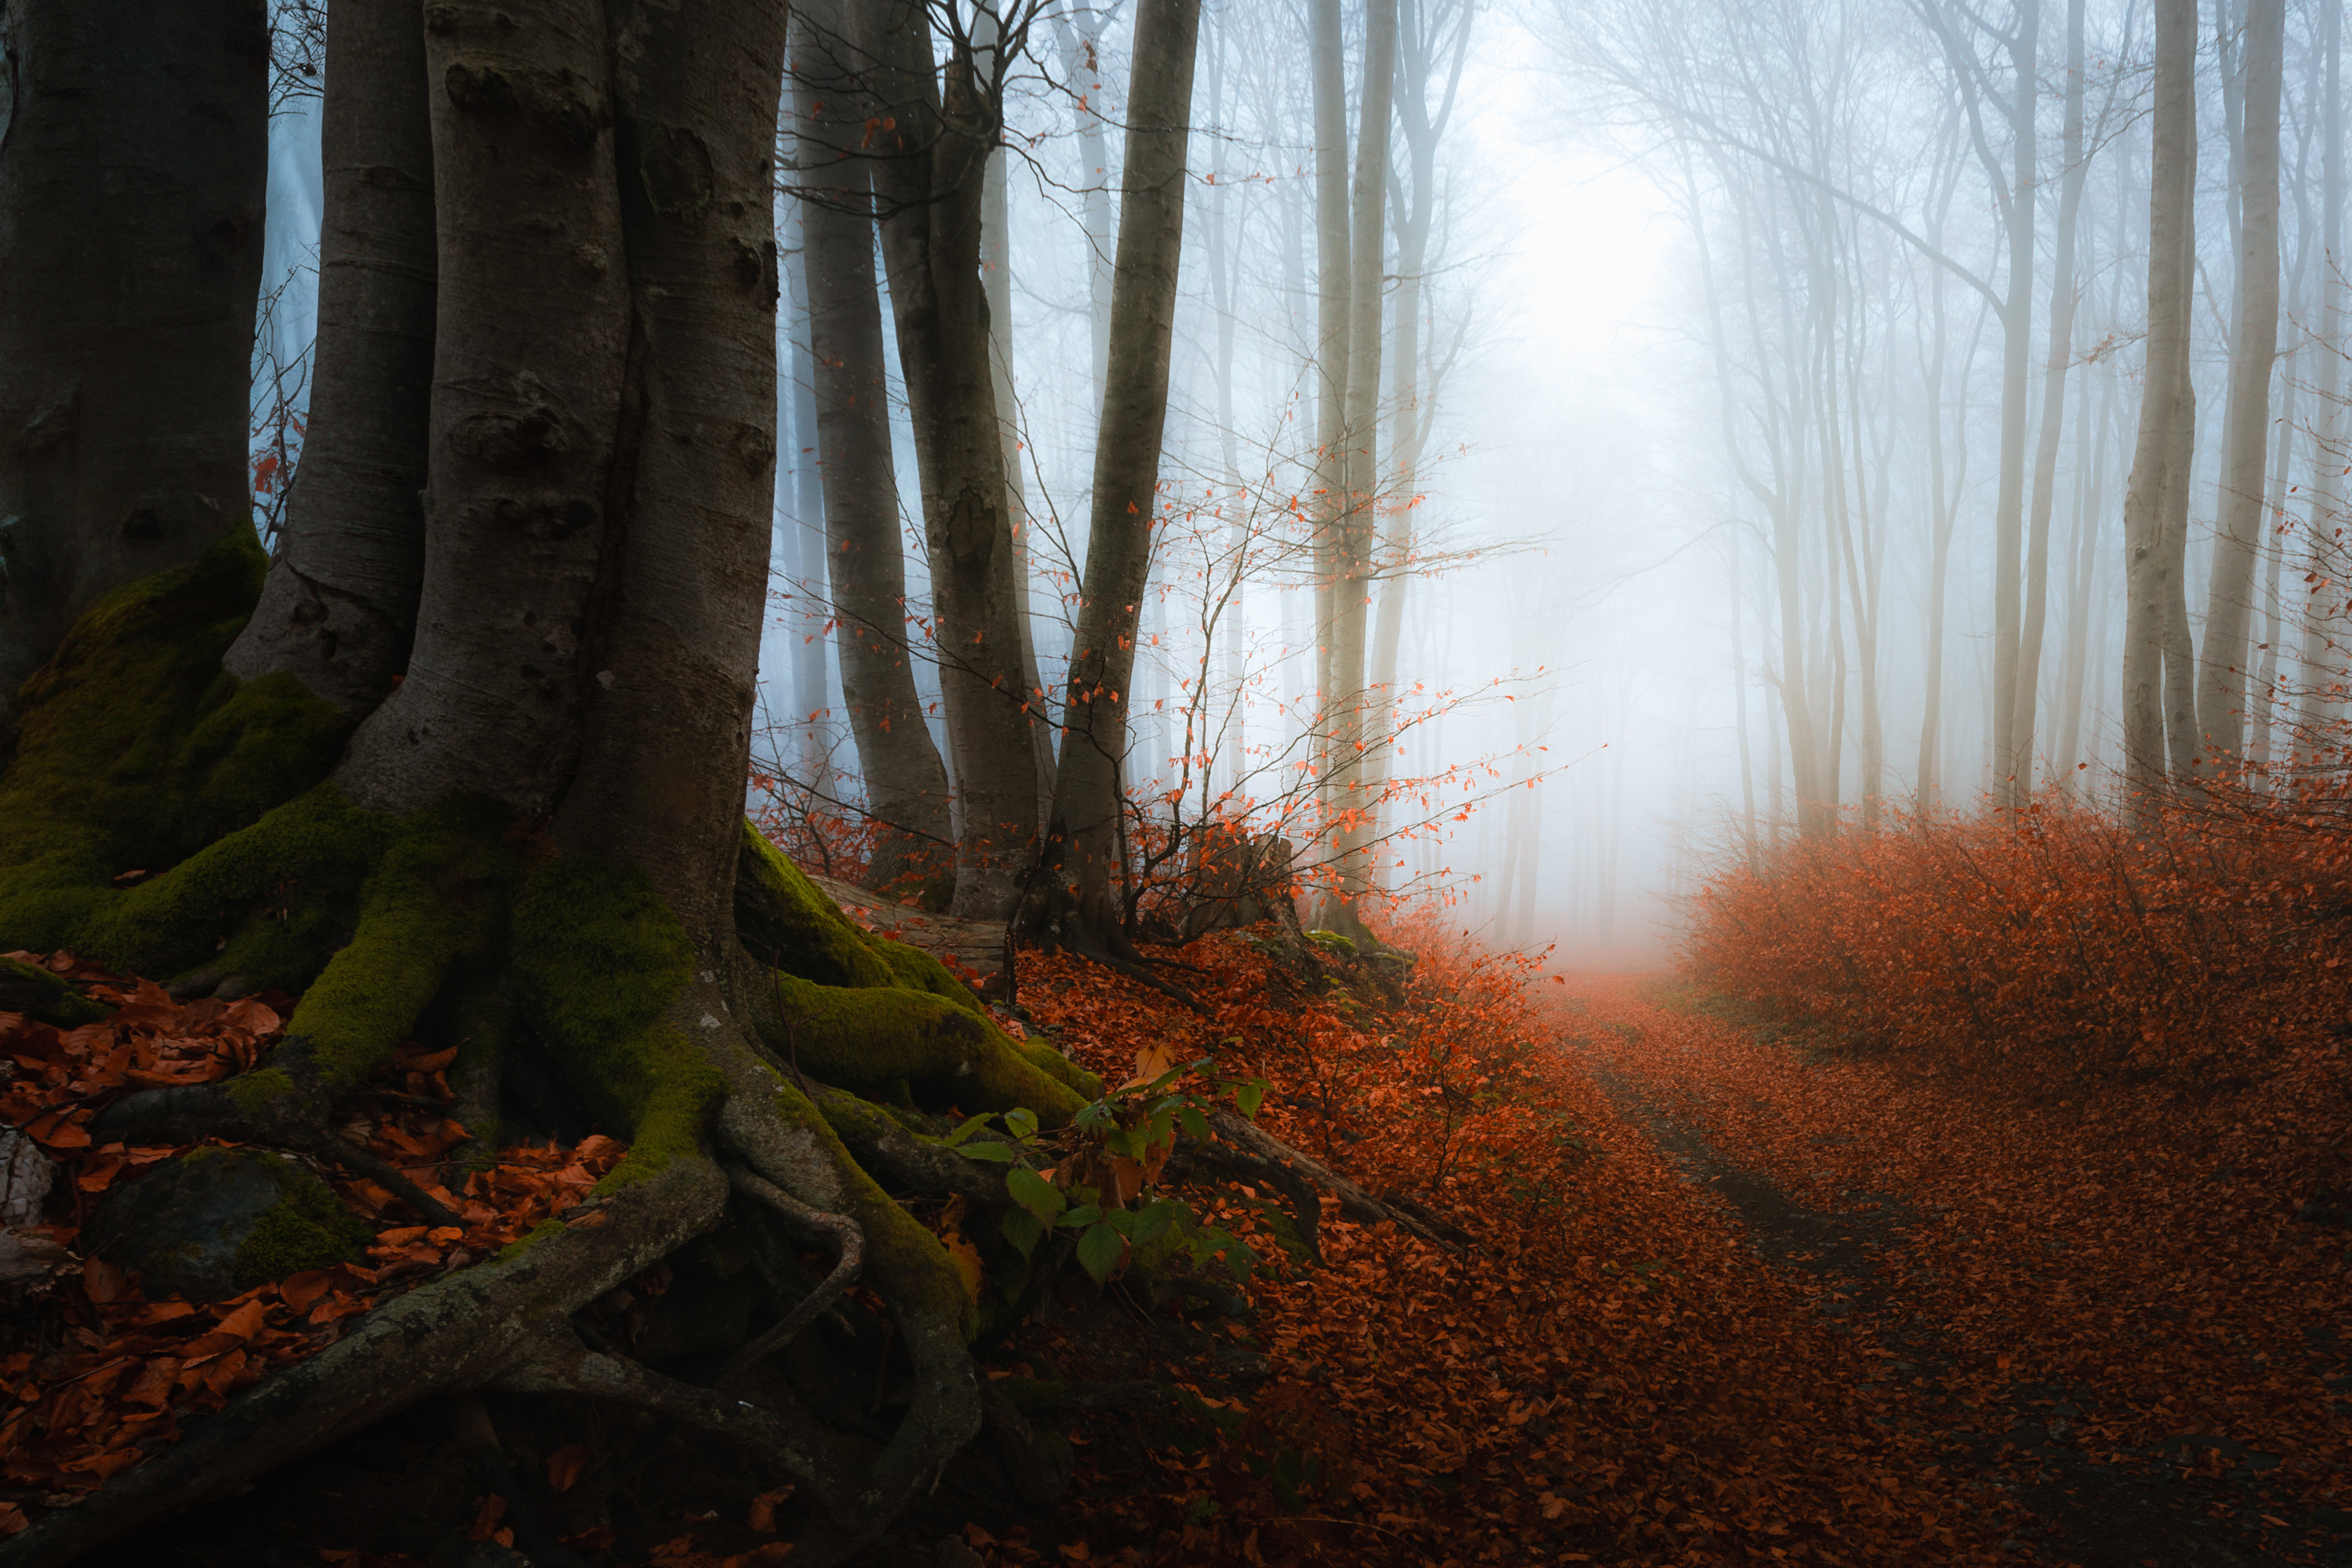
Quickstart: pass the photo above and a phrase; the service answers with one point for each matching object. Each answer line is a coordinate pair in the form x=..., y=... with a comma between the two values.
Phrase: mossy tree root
x=460, y=924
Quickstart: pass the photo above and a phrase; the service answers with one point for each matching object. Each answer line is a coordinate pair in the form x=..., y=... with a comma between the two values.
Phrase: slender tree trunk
x=2149, y=585
x=339, y=608
x=996, y=271
x=1362, y=484
x=533, y=343
x=1082, y=843
x=2053, y=406
x=799, y=505
x=931, y=177
x=1333, y=279
x=2182, y=742
x=2090, y=511
x=2009, y=769
x=906, y=783
x=2318, y=678
x=1077, y=31
x=133, y=154
x=2221, y=716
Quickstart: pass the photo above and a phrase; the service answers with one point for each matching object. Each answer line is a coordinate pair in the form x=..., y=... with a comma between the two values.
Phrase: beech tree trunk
x=930, y=179
x=906, y=784
x=996, y=271
x=338, y=609
x=2318, y=678
x=2024, y=700
x=1333, y=281
x=2150, y=580
x=1083, y=840
x=532, y=346
x=2220, y=705
x=133, y=157
x=1361, y=483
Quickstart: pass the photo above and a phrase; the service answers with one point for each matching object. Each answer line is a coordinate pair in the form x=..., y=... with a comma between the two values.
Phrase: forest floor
x=1700, y=1296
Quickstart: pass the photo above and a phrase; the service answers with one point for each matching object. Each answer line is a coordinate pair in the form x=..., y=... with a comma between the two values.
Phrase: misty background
x=1676, y=257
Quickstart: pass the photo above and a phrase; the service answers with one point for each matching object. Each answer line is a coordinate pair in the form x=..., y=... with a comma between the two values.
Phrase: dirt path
x=2139, y=1419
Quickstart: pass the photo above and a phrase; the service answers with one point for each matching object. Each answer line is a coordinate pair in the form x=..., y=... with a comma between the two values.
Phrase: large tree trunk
x=931, y=182
x=1082, y=842
x=2148, y=584
x=1361, y=480
x=532, y=349
x=602, y=465
x=906, y=784
x=133, y=155
x=338, y=610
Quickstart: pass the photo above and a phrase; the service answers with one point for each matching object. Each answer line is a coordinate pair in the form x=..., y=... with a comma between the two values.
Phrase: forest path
x=2144, y=1416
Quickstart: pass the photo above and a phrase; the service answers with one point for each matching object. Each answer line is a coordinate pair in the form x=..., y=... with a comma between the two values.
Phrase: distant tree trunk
x=2090, y=511
x=2221, y=716
x=533, y=342
x=1411, y=418
x=2022, y=700
x=2149, y=584
x=1222, y=294
x=1362, y=478
x=339, y=608
x=931, y=179
x=906, y=784
x=996, y=274
x=2181, y=746
x=799, y=505
x=133, y=155
x=2327, y=506
x=1082, y=840
x=1333, y=279
x=1077, y=30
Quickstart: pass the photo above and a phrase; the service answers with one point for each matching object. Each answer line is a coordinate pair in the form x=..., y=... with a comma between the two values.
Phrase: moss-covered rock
x=215, y=1221
x=45, y=996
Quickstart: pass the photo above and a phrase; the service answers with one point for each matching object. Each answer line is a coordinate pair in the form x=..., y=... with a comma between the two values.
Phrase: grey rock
x=215, y=1222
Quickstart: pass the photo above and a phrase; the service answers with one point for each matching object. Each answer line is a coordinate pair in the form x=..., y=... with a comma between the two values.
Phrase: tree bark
x=931, y=183
x=532, y=346
x=1077, y=32
x=2319, y=681
x=2022, y=700
x=1333, y=279
x=996, y=269
x=906, y=784
x=2148, y=584
x=338, y=610
x=2220, y=705
x=133, y=158
x=1082, y=843
x=1361, y=483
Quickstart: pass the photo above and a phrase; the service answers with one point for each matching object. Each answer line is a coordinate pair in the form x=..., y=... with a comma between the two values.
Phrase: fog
x=1719, y=325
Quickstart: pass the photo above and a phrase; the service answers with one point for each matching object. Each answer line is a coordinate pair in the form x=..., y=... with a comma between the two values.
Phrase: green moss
x=786, y=922
x=27, y=989
x=872, y=1036
x=258, y=1092
x=135, y=751
x=307, y=1229
x=437, y=895
x=601, y=963
x=903, y=1261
